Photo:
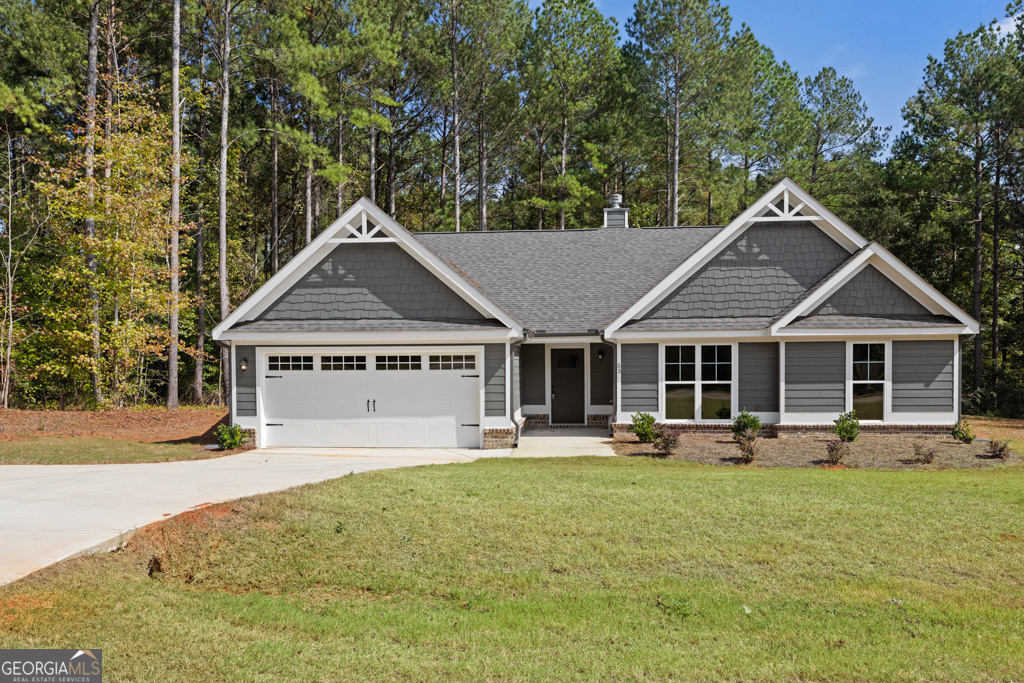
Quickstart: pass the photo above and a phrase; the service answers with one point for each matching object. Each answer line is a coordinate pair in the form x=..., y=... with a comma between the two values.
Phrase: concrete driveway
x=52, y=512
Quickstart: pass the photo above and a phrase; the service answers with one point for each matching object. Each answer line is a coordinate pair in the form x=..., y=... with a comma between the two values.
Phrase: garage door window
x=343, y=362
x=291, y=362
x=399, y=362
x=454, y=362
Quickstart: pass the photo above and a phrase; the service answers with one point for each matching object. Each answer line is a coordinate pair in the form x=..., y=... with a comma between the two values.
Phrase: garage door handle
x=275, y=425
x=471, y=375
x=367, y=405
x=375, y=405
x=272, y=377
x=476, y=425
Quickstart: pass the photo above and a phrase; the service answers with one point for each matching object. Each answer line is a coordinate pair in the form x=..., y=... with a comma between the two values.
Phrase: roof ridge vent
x=616, y=215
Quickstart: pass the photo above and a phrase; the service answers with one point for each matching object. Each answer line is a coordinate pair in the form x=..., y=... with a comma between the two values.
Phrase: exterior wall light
x=600, y=354
x=245, y=365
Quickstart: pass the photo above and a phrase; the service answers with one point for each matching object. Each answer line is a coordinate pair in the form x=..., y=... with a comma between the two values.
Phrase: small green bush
x=643, y=427
x=744, y=422
x=962, y=431
x=999, y=449
x=230, y=438
x=847, y=427
x=836, y=451
x=745, y=428
x=665, y=440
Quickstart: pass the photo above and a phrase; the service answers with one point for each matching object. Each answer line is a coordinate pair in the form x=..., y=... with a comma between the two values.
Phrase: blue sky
x=883, y=45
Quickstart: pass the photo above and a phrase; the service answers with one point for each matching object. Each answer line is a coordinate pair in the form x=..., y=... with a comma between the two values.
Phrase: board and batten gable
x=367, y=281
x=639, y=378
x=758, y=274
x=759, y=377
x=923, y=376
x=245, y=382
x=815, y=377
x=494, y=380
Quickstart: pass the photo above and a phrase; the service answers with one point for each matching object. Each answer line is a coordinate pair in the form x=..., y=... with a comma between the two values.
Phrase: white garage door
x=338, y=398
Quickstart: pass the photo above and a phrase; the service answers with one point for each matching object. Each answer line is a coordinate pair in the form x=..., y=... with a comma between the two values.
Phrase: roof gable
x=293, y=290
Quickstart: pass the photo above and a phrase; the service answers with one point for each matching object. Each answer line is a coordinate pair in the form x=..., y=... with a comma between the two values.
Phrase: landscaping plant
x=847, y=427
x=925, y=455
x=962, y=431
x=643, y=427
x=836, y=451
x=230, y=438
x=999, y=449
x=745, y=428
x=665, y=440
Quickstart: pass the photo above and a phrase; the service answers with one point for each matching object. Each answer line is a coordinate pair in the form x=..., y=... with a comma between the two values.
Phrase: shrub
x=847, y=427
x=665, y=440
x=924, y=455
x=999, y=449
x=962, y=431
x=836, y=451
x=745, y=428
x=643, y=427
x=230, y=438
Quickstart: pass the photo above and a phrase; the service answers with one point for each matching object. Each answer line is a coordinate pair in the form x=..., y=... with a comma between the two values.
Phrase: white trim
x=343, y=338
x=886, y=381
x=318, y=248
x=565, y=339
x=810, y=334
x=699, y=382
x=889, y=266
x=957, y=406
x=627, y=335
x=837, y=229
x=508, y=381
x=233, y=382
x=782, y=380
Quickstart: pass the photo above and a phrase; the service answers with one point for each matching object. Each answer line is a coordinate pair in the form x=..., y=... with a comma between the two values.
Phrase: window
x=343, y=362
x=869, y=381
x=399, y=362
x=290, y=362
x=704, y=388
x=452, y=362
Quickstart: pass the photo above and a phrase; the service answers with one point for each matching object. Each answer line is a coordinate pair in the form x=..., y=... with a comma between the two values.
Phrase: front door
x=567, y=387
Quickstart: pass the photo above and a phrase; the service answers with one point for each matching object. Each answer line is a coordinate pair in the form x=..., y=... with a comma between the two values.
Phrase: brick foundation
x=621, y=429
x=541, y=422
x=598, y=421
x=499, y=438
x=534, y=421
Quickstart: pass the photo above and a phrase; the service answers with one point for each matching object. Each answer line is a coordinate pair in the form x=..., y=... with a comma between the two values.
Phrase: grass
x=95, y=451
x=561, y=569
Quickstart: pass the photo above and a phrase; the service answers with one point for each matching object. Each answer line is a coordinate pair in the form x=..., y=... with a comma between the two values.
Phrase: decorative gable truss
x=914, y=296
x=363, y=223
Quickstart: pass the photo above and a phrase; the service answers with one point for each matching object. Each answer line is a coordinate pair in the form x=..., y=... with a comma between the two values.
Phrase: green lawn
x=614, y=568
x=91, y=451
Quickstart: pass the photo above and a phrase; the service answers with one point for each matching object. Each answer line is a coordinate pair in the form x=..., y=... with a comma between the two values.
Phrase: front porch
x=566, y=383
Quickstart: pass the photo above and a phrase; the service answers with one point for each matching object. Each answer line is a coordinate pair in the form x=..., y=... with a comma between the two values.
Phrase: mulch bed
x=881, y=452
x=146, y=425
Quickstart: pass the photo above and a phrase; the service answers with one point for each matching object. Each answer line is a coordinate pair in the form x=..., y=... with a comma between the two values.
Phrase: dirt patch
x=997, y=428
x=145, y=425
x=882, y=452
x=179, y=547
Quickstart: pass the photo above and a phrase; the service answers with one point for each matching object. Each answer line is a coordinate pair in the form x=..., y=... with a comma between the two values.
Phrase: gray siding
x=871, y=293
x=639, y=377
x=922, y=376
x=532, y=374
x=370, y=282
x=517, y=402
x=815, y=377
x=245, y=382
x=602, y=375
x=759, y=377
x=758, y=274
x=494, y=379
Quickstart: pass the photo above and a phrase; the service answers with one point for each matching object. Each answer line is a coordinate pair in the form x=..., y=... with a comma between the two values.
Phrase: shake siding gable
x=871, y=293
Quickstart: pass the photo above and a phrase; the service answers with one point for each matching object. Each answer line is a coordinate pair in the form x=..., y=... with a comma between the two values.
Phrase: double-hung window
x=698, y=389
x=869, y=381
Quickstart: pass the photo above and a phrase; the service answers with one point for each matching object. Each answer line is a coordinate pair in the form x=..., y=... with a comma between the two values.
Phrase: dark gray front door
x=567, y=387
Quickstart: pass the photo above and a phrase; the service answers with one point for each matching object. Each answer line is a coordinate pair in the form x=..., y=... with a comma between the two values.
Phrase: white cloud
x=1007, y=25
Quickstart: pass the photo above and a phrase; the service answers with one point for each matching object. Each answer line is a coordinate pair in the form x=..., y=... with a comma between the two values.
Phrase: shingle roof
x=872, y=321
x=527, y=272
x=379, y=325
x=692, y=324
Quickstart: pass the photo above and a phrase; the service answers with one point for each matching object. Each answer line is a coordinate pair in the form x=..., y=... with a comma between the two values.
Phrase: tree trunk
x=481, y=182
x=996, y=220
x=978, y=236
x=198, y=388
x=540, y=181
x=711, y=190
x=456, y=137
x=90, y=221
x=563, y=167
x=172, y=351
x=222, y=194
x=373, y=162
x=390, y=188
x=275, y=207
x=675, y=155
x=341, y=143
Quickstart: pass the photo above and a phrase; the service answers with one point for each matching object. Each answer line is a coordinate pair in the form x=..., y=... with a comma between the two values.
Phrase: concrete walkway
x=545, y=443
x=52, y=512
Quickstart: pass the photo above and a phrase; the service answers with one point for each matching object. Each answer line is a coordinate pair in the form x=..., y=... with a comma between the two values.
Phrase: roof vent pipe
x=616, y=215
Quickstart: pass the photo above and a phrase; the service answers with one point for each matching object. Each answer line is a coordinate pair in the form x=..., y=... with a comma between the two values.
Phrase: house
x=374, y=336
